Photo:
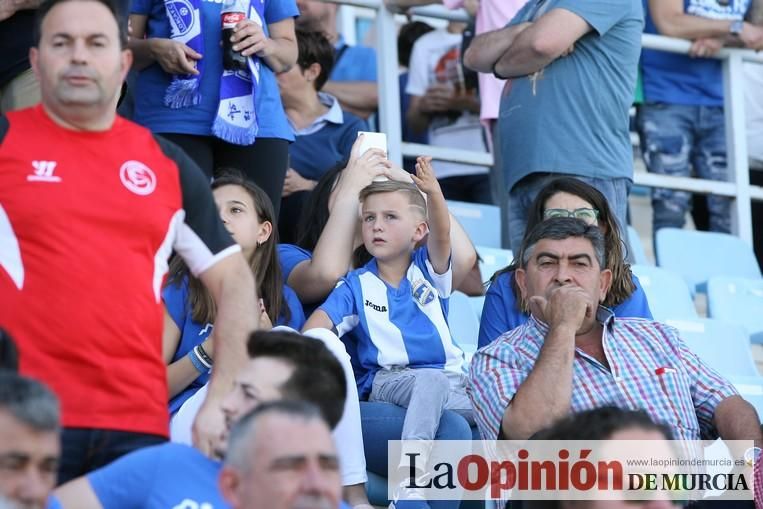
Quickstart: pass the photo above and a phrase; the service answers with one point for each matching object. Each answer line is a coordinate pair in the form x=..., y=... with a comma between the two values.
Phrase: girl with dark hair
x=566, y=196
x=188, y=346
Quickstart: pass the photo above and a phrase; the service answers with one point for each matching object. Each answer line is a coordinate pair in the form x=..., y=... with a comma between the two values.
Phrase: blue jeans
x=84, y=450
x=384, y=421
x=677, y=139
x=524, y=192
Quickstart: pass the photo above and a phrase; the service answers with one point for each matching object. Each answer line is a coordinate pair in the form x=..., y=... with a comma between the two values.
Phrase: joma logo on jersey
x=375, y=307
x=43, y=172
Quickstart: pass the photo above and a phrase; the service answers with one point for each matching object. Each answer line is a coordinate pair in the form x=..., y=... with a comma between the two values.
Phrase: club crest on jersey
x=423, y=292
x=138, y=178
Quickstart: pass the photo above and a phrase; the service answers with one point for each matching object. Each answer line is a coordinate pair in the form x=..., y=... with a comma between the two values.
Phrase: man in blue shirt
x=571, y=67
x=29, y=442
x=282, y=365
x=682, y=120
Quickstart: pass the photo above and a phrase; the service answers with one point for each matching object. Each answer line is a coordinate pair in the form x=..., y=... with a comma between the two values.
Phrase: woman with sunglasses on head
x=565, y=197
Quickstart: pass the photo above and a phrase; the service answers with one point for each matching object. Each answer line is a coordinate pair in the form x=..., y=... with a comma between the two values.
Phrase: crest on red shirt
x=138, y=178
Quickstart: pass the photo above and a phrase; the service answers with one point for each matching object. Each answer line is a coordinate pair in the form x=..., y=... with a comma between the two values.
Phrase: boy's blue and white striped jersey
x=396, y=327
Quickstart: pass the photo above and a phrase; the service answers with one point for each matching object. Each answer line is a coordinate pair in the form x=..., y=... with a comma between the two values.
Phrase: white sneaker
x=409, y=497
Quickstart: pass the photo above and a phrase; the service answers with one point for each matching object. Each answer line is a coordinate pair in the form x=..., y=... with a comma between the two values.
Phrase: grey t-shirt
x=576, y=119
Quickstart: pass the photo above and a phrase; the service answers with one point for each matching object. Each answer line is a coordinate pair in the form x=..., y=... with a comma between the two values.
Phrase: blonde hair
x=415, y=198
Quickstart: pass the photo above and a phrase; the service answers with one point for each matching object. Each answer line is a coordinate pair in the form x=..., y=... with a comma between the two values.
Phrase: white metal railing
x=738, y=185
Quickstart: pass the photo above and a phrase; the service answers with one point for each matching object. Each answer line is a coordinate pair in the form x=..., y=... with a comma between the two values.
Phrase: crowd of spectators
x=165, y=265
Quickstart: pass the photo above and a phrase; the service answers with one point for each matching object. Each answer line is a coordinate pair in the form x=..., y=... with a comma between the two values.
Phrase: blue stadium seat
x=492, y=260
x=698, y=256
x=666, y=292
x=638, y=255
x=737, y=300
x=481, y=222
x=463, y=323
x=723, y=346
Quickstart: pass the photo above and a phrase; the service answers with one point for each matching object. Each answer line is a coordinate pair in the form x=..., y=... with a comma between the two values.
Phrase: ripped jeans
x=677, y=139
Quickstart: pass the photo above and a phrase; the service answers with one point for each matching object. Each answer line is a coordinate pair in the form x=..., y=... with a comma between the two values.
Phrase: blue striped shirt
x=396, y=327
x=650, y=368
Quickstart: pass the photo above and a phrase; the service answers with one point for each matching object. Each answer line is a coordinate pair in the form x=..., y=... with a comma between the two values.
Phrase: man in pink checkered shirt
x=574, y=354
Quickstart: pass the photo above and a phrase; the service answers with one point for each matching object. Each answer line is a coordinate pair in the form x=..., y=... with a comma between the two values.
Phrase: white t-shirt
x=436, y=58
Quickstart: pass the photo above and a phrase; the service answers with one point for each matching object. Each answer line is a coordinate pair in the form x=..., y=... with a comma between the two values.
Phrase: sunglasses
x=586, y=214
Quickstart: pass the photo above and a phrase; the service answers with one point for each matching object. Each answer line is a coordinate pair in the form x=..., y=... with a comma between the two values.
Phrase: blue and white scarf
x=236, y=121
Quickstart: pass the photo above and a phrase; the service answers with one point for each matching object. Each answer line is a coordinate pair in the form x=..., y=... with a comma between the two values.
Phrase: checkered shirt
x=650, y=368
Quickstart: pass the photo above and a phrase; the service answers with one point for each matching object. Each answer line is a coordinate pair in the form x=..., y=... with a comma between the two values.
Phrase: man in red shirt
x=91, y=206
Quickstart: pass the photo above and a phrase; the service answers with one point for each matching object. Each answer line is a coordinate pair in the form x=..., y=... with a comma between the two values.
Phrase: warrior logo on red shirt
x=138, y=178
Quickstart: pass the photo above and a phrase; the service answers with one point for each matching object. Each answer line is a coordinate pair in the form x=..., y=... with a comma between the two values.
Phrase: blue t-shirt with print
x=501, y=313
x=673, y=78
x=192, y=333
x=573, y=117
x=152, y=81
x=158, y=477
x=396, y=327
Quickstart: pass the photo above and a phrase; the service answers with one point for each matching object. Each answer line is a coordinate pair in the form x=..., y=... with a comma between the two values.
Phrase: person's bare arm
x=545, y=40
x=736, y=419
x=545, y=395
x=318, y=320
x=439, y=98
x=174, y=57
x=463, y=252
x=231, y=284
x=671, y=20
x=279, y=51
x=10, y=7
x=486, y=49
x=77, y=494
x=418, y=120
x=182, y=372
x=358, y=97
x=438, y=241
x=472, y=284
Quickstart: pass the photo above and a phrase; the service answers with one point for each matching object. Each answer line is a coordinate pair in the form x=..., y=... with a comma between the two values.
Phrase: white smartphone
x=373, y=140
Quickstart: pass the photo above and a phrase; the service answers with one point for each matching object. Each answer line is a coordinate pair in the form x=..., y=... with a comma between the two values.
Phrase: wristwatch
x=736, y=27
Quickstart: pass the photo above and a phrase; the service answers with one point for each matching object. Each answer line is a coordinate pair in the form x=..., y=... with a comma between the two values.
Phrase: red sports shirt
x=87, y=222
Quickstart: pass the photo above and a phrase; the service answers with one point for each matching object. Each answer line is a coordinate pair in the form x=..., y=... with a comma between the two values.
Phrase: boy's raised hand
x=425, y=178
x=438, y=220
